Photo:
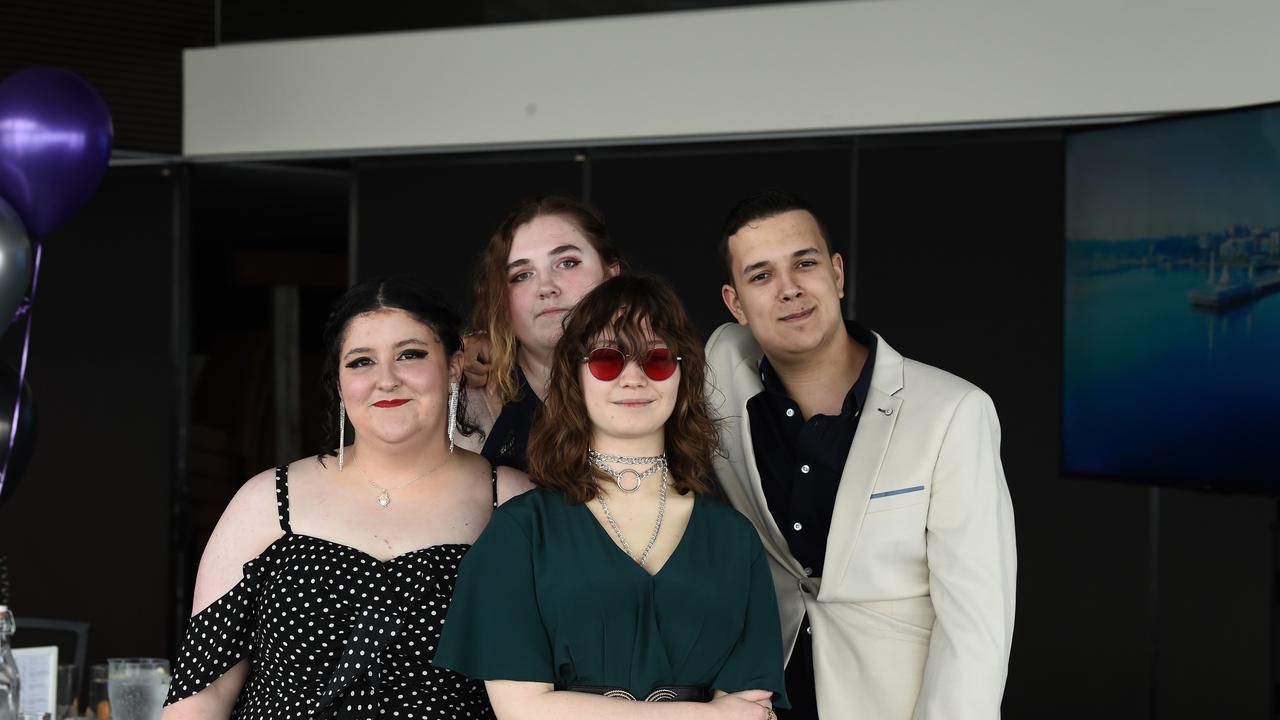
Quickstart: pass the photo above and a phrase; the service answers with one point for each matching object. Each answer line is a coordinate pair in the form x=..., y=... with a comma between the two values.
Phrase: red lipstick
x=389, y=403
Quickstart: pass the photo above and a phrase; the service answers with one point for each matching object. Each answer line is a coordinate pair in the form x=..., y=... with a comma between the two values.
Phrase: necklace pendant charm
x=384, y=498
x=617, y=479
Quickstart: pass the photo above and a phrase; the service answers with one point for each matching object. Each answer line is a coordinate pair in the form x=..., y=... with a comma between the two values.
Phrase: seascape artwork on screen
x=1172, y=316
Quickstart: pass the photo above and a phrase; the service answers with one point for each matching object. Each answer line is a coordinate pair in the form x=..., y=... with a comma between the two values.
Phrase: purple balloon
x=55, y=141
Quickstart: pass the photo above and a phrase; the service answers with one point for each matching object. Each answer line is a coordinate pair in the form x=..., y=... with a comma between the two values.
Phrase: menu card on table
x=38, y=667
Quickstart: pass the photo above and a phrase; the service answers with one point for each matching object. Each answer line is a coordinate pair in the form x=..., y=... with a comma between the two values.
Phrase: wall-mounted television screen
x=1172, y=312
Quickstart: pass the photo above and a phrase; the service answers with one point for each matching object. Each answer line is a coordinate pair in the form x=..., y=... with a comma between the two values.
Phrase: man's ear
x=613, y=270
x=730, y=296
x=837, y=263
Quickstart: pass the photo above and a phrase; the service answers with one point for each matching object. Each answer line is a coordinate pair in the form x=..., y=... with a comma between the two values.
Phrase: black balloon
x=24, y=440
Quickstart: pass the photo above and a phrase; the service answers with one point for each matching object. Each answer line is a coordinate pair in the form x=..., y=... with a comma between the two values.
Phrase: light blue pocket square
x=899, y=491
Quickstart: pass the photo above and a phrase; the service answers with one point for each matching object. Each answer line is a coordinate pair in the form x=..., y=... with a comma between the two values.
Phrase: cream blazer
x=914, y=617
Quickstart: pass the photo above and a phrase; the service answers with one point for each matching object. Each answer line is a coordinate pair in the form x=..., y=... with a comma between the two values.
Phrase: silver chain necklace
x=657, y=526
x=602, y=460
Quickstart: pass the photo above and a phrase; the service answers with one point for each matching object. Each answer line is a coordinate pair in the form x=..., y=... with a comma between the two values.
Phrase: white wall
x=824, y=66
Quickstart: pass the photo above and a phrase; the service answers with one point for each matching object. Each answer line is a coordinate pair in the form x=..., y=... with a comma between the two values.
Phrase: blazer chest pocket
x=895, y=498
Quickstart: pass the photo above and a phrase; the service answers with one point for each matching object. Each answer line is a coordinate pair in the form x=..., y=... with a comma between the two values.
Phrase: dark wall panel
x=87, y=533
x=246, y=20
x=1215, y=619
x=129, y=50
x=430, y=217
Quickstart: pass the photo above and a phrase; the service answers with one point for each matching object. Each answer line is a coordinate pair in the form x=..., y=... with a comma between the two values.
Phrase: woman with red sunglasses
x=619, y=578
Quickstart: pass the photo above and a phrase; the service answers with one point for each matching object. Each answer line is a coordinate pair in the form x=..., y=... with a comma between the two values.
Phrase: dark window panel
x=430, y=217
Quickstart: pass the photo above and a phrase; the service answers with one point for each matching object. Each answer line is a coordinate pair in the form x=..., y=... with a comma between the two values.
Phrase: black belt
x=669, y=693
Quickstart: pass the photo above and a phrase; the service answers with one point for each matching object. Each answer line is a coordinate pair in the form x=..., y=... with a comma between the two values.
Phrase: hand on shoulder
x=477, y=362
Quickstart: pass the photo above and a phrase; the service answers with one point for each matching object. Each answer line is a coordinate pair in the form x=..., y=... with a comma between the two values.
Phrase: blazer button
x=808, y=572
x=809, y=630
x=797, y=527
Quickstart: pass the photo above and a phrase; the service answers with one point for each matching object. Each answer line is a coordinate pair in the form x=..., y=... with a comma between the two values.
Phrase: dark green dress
x=546, y=596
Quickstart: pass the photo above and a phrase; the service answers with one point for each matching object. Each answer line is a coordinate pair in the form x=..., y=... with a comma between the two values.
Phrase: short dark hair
x=394, y=293
x=761, y=206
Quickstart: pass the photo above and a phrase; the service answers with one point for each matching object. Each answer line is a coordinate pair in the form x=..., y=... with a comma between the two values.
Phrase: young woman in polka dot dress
x=323, y=588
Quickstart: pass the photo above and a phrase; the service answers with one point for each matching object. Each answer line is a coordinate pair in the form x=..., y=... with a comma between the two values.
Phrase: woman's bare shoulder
x=255, y=509
x=512, y=482
x=248, y=526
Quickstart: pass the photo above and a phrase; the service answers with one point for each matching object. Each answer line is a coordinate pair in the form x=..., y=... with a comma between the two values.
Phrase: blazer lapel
x=861, y=468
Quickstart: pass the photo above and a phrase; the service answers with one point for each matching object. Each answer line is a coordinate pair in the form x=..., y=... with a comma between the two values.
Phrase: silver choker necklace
x=602, y=460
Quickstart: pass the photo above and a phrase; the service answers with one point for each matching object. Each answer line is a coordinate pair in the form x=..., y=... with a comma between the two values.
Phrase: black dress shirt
x=800, y=463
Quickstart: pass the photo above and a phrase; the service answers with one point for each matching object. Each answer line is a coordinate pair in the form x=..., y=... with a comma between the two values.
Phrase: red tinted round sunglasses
x=606, y=363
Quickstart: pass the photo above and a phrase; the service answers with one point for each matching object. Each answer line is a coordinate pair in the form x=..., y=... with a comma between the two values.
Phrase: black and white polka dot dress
x=332, y=632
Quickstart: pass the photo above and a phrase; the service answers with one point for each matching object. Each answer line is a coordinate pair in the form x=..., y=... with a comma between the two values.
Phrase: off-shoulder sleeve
x=756, y=660
x=493, y=630
x=218, y=636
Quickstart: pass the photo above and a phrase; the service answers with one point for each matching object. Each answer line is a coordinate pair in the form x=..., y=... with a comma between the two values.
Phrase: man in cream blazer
x=912, y=614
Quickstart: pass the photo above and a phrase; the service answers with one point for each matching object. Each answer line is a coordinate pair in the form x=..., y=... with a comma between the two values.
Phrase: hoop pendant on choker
x=617, y=479
x=602, y=460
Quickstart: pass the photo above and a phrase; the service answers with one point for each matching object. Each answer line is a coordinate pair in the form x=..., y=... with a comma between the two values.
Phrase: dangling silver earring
x=453, y=411
x=342, y=432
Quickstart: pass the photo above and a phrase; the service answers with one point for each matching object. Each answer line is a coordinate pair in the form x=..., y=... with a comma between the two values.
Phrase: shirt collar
x=857, y=395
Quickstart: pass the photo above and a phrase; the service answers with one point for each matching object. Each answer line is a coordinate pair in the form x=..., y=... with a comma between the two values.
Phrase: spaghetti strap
x=282, y=497
x=493, y=479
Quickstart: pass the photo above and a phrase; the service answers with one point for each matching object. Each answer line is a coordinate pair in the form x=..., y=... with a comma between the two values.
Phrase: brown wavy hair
x=492, y=312
x=633, y=310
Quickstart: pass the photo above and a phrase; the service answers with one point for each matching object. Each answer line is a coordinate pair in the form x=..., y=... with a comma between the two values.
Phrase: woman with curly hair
x=618, y=578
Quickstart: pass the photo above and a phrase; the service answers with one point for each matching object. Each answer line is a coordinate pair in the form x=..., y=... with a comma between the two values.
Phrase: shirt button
x=791, y=412
x=808, y=572
x=797, y=526
x=804, y=469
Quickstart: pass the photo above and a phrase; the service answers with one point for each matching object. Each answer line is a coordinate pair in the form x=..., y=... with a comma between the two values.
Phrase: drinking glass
x=137, y=687
x=68, y=702
x=96, y=698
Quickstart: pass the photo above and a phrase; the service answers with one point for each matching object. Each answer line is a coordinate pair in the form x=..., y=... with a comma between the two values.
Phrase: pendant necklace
x=384, y=493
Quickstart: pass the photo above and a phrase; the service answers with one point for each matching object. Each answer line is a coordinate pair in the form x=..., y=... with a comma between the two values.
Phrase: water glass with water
x=137, y=687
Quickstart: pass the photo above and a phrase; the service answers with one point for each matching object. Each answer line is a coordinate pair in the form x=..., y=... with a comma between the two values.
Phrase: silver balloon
x=15, y=264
